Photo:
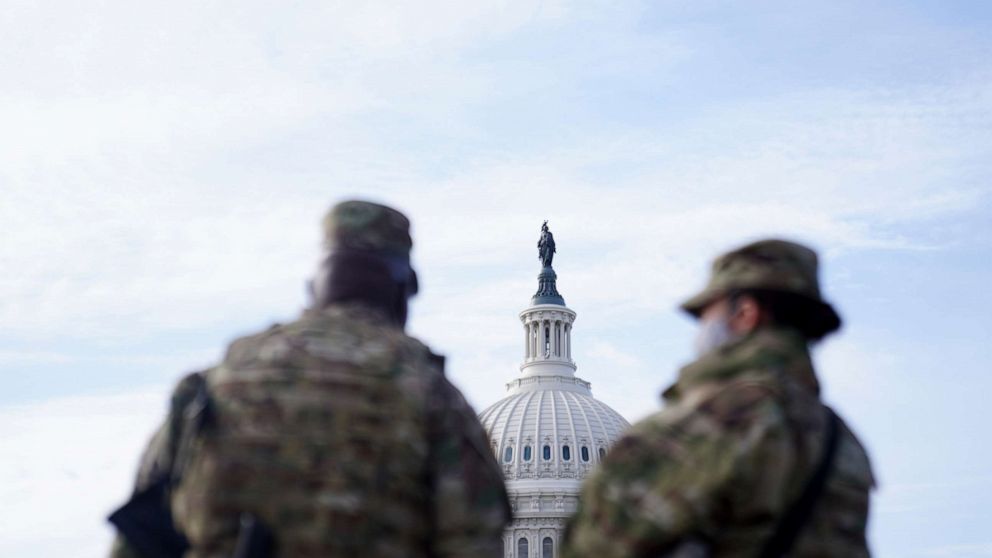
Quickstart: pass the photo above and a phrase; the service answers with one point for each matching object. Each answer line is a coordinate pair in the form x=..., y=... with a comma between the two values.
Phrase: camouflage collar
x=762, y=352
x=352, y=310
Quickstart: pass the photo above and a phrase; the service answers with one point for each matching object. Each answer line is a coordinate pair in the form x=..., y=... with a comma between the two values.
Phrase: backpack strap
x=797, y=516
x=193, y=418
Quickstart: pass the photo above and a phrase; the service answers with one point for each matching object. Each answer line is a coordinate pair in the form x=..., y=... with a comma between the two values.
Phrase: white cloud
x=117, y=223
x=66, y=464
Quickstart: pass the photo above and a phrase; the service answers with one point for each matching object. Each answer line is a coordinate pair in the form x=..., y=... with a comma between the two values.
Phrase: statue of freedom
x=546, y=246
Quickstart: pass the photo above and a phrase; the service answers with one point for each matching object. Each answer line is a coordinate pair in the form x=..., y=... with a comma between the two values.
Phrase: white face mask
x=713, y=333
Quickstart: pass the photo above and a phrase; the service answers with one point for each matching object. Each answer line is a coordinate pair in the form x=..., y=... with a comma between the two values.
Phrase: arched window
x=585, y=454
x=522, y=548
x=547, y=341
x=547, y=453
x=526, y=453
x=508, y=454
x=547, y=548
x=566, y=453
x=602, y=453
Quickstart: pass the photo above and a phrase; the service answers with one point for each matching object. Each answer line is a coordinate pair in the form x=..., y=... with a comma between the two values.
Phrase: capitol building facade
x=548, y=432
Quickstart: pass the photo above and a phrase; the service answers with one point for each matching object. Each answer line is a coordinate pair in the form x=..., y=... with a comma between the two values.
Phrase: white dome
x=547, y=434
x=551, y=431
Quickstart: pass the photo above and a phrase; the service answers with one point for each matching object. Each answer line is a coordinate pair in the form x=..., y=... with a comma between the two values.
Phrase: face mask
x=713, y=333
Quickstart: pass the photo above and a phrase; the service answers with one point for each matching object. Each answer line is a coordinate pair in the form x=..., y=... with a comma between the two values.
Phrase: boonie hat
x=770, y=265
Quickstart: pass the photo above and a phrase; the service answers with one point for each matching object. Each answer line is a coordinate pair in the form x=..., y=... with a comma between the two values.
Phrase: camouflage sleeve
x=668, y=483
x=160, y=454
x=470, y=503
x=154, y=458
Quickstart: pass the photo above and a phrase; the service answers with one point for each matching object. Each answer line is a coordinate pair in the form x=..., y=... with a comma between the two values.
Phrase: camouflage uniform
x=739, y=437
x=340, y=433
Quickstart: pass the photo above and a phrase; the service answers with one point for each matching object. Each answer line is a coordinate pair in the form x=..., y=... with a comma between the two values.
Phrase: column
x=551, y=339
x=568, y=342
x=533, y=340
x=526, y=341
x=538, y=333
x=545, y=341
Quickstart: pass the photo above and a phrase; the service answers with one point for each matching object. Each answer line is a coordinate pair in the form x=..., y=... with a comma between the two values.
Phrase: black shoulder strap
x=145, y=522
x=196, y=416
x=796, y=517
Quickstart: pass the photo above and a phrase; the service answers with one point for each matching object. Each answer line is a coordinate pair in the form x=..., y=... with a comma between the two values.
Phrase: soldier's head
x=765, y=283
x=367, y=259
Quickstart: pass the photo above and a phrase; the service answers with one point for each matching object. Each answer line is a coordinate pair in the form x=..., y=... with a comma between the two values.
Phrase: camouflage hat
x=367, y=226
x=769, y=265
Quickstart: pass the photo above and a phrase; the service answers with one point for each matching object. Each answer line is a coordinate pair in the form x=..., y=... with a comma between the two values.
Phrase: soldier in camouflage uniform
x=720, y=471
x=338, y=432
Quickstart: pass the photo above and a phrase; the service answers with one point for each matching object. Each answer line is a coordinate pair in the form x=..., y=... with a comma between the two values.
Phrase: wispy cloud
x=608, y=351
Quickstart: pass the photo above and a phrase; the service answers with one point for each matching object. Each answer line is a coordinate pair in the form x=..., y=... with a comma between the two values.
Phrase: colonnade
x=548, y=339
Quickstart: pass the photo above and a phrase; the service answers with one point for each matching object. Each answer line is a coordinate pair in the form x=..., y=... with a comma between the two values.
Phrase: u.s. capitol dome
x=548, y=432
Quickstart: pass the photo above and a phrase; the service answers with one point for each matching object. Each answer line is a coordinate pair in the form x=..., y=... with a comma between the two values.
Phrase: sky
x=164, y=168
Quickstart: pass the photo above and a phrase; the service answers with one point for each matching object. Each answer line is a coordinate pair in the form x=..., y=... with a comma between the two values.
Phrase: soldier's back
x=320, y=428
x=781, y=429
x=723, y=464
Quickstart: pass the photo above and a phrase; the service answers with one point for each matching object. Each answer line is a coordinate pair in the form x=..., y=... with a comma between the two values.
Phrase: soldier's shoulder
x=187, y=389
x=435, y=361
x=725, y=403
x=252, y=342
x=853, y=463
x=704, y=416
x=742, y=402
x=645, y=440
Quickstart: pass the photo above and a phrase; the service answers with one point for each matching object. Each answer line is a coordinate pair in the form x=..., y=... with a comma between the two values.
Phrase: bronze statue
x=546, y=246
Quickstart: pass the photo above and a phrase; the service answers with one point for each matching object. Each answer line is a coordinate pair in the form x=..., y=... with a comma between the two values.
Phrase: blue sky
x=163, y=171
